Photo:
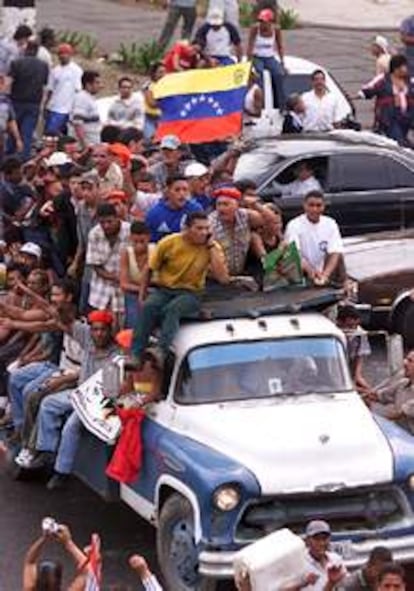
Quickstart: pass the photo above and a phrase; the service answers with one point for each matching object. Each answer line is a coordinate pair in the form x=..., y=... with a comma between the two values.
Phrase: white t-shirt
x=64, y=82
x=301, y=188
x=85, y=112
x=218, y=42
x=44, y=54
x=315, y=241
x=320, y=112
x=322, y=571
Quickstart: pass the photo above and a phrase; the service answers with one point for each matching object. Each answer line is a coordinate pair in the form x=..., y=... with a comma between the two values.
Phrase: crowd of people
x=104, y=228
x=324, y=568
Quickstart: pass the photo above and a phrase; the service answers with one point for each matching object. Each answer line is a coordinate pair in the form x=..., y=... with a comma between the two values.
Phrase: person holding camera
x=48, y=574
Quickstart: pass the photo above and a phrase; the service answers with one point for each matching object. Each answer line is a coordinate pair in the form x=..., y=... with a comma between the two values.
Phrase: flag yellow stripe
x=208, y=80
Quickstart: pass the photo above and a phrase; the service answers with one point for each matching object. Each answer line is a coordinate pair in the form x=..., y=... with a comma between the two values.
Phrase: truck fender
x=398, y=309
x=171, y=484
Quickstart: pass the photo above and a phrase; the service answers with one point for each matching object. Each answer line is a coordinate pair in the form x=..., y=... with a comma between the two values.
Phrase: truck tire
x=176, y=548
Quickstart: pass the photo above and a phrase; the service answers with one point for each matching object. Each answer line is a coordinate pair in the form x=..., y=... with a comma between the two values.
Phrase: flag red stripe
x=194, y=131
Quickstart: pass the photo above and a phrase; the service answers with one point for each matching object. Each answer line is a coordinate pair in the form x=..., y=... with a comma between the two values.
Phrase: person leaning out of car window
x=321, y=105
x=305, y=182
x=319, y=242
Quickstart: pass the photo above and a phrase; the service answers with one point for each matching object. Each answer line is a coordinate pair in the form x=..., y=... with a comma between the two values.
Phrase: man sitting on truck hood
x=181, y=262
x=318, y=240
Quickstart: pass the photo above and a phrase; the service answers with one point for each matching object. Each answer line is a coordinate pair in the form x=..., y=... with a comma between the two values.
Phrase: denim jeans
x=56, y=123
x=165, y=307
x=24, y=380
x=56, y=411
x=132, y=310
x=27, y=115
x=276, y=72
x=188, y=14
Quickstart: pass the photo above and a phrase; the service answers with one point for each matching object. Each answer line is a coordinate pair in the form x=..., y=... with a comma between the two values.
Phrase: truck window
x=270, y=368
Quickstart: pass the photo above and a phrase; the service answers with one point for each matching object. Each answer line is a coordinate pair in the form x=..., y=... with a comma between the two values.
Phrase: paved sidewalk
x=358, y=14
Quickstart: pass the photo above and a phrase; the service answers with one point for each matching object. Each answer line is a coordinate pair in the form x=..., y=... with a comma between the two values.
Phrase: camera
x=50, y=525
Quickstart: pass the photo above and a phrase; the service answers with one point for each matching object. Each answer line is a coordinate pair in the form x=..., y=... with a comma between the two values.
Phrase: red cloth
x=126, y=460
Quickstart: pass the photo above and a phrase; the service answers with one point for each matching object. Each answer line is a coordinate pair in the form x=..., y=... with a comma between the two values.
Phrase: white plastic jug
x=274, y=562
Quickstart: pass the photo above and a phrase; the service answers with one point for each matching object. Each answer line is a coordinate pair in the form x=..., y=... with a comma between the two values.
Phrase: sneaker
x=42, y=459
x=58, y=481
x=24, y=458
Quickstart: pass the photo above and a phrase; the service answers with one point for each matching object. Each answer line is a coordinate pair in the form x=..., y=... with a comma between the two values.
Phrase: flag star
x=220, y=112
x=187, y=106
x=202, y=98
x=183, y=113
x=210, y=100
x=215, y=105
x=194, y=101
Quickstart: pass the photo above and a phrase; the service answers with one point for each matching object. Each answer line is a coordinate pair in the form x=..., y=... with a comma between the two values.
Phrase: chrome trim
x=220, y=564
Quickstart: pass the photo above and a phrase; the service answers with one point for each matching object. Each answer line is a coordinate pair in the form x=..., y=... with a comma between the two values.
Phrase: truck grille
x=351, y=511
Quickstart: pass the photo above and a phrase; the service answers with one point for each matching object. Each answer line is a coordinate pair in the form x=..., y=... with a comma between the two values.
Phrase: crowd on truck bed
x=106, y=226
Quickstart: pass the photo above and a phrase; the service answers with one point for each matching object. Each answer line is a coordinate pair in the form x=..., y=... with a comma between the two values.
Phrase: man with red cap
x=98, y=346
x=64, y=82
x=233, y=228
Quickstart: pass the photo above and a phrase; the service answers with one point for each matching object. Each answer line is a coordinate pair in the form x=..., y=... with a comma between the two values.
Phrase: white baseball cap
x=215, y=17
x=195, y=170
x=32, y=248
x=58, y=159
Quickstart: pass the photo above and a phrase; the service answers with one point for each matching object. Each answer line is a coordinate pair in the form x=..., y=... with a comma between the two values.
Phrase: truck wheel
x=176, y=548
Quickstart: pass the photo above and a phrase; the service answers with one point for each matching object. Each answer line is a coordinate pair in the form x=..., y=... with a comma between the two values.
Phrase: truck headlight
x=226, y=497
x=411, y=482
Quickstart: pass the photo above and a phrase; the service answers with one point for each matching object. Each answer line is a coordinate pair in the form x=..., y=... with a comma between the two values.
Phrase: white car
x=297, y=80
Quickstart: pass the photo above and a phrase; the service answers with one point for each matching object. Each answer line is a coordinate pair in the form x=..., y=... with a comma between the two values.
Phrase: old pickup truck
x=260, y=428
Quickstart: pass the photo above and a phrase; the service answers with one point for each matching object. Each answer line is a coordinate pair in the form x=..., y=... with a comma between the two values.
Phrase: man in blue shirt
x=168, y=215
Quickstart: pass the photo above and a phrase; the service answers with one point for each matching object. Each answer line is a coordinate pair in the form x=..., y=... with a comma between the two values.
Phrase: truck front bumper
x=219, y=565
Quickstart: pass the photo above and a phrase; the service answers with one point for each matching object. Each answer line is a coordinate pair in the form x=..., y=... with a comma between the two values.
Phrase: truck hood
x=304, y=444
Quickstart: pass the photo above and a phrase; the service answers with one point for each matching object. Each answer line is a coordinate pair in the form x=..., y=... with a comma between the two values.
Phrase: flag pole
x=15, y=13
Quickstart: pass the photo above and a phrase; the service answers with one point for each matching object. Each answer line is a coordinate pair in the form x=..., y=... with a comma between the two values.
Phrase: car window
x=359, y=172
x=256, y=166
x=401, y=175
x=296, y=83
x=264, y=369
x=289, y=174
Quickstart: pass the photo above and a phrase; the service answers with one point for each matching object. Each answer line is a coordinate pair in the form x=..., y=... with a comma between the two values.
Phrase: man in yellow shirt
x=180, y=264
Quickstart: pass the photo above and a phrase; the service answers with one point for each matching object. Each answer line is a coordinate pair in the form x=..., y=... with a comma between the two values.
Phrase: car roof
x=291, y=145
x=379, y=254
x=193, y=335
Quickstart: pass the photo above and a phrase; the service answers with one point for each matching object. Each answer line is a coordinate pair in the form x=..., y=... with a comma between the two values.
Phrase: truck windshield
x=271, y=368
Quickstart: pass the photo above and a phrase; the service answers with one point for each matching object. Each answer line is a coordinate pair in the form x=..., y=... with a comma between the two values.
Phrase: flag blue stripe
x=202, y=105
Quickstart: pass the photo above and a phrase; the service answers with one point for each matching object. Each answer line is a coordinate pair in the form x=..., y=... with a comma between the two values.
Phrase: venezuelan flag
x=202, y=105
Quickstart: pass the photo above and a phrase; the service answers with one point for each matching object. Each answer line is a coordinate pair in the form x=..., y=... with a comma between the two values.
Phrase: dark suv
x=368, y=180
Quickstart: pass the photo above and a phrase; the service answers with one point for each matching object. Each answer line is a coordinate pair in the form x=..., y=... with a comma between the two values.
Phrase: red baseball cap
x=266, y=15
x=65, y=48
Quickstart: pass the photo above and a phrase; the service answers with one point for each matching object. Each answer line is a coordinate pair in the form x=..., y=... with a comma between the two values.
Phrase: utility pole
x=17, y=12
